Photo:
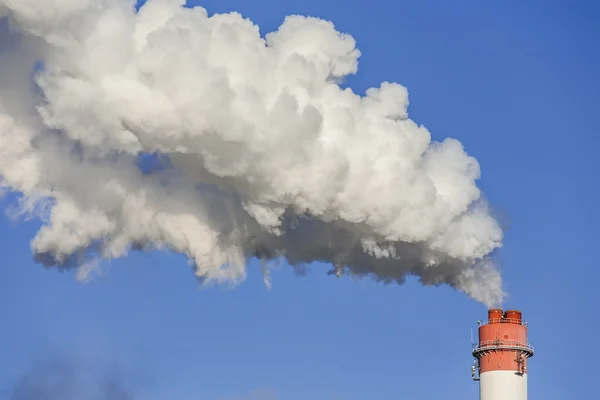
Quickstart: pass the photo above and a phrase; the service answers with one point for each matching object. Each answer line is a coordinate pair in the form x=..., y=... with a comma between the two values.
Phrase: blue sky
x=517, y=83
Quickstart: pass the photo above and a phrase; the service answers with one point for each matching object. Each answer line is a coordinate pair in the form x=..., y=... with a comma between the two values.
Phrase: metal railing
x=500, y=344
x=503, y=321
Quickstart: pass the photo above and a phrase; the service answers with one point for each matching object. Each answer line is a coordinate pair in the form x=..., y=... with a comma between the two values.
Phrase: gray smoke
x=59, y=378
x=256, y=149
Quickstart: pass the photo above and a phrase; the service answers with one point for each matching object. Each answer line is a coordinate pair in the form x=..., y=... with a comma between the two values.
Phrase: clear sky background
x=517, y=83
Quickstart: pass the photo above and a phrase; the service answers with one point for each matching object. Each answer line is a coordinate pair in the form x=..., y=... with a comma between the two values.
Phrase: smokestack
x=501, y=356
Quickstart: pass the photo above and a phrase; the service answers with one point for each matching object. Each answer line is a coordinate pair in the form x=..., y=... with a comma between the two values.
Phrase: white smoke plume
x=261, y=152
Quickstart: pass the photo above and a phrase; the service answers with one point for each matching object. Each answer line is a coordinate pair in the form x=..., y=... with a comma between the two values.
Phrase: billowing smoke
x=165, y=128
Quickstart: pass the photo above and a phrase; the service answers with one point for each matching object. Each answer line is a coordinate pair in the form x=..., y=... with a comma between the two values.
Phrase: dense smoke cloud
x=257, y=150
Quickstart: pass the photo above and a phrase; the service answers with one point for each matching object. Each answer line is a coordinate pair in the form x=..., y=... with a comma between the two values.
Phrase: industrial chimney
x=501, y=356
